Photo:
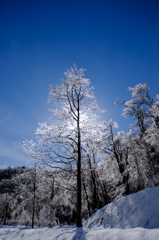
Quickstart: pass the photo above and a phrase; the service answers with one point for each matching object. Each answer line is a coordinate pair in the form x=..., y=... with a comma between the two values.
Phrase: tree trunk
x=93, y=178
x=79, y=195
x=88, y=203
x=34, y=189
x=6, y=211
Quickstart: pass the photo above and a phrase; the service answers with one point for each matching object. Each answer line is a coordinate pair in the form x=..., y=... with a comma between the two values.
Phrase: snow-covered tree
x=112, y=145
x=144, y=137
x=64, y=144
x=138, y=107
x=6, y=207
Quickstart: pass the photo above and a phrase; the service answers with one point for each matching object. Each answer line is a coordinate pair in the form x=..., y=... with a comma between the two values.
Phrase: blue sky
x=117, y=42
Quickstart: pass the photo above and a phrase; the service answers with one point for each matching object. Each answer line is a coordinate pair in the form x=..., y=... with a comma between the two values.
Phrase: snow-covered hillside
x=140, y=209
x=134, y=217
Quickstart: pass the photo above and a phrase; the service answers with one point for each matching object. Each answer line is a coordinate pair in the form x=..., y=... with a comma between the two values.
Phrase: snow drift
x=140, y=209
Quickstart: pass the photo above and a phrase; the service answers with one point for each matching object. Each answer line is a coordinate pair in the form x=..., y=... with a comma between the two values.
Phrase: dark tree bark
x=79, y=195
x=6, y=211
x=34, y=192
x=87, y=198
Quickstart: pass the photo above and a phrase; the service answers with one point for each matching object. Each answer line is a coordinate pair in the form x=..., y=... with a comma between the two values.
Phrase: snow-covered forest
x=131, y=217
x=80, y=163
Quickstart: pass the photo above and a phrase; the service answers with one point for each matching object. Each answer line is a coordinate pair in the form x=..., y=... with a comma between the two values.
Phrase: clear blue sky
x=116, y=41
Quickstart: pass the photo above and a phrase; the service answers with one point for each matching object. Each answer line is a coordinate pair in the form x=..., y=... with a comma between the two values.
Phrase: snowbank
x=136, y=210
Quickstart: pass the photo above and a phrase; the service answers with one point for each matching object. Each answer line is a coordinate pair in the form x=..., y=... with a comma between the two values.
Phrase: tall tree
x=65, y=143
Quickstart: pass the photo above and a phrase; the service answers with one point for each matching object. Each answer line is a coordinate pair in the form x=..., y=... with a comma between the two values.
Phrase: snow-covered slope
x=136, y=210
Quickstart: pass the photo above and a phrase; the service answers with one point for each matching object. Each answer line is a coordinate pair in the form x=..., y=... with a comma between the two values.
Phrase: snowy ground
x=19, y=233
x=134, y=217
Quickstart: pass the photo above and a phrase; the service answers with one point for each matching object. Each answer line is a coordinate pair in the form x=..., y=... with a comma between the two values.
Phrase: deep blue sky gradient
x=117, y=42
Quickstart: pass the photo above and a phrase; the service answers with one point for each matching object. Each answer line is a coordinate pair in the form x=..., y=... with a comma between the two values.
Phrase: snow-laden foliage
x=57, y=144
x=138, y=107
x=142, y=143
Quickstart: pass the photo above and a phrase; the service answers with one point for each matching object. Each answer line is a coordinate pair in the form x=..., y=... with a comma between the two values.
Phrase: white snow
x=140, y=209
x=134, y=217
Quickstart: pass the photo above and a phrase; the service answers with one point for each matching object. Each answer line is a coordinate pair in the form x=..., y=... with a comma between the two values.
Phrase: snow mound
x=140, y=209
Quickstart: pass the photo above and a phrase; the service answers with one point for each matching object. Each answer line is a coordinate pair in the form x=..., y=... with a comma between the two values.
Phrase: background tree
x=113, y=146
x=142, y=143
